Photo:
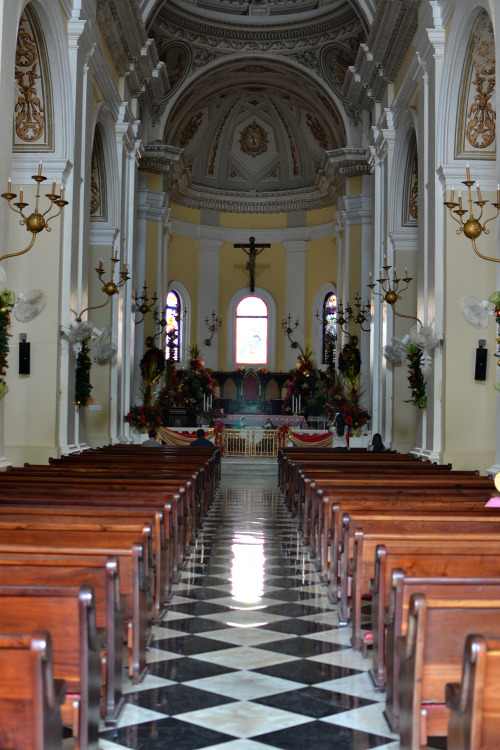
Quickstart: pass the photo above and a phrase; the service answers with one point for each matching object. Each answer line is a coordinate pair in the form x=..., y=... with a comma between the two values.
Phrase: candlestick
x=498, y=193
x=39, y=168
x=452, y=196
x=478, y=192
x=460, y=201
x=468, y=170
x=54, y=187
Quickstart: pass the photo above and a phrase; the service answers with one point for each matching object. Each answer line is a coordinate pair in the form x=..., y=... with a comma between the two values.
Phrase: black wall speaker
x=480, y=369
x=24, y=357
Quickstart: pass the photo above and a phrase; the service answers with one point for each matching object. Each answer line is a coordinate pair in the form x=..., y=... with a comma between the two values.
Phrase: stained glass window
x=329, y=325
x=173, y=328
x=251, y=332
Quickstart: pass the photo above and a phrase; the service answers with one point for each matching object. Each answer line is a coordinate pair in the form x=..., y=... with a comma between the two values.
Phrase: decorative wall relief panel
x=177, y=59
x=98, y=198
x=333, y=64
x=33, y=109
x=477, y=116
x=410, y=195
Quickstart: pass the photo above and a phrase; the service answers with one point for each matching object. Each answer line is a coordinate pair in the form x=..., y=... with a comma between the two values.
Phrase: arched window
x=329, y=325
x=173, y=330
x=251, y=331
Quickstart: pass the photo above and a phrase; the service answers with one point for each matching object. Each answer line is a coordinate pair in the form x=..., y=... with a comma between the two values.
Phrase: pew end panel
x=474, y=703
x=30, y=698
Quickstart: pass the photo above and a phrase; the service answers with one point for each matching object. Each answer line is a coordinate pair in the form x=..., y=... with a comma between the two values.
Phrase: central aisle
x=249, y=655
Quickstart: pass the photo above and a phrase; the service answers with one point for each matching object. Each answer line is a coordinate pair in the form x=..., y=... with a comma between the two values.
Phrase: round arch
x=271, y=329
x=321, y=294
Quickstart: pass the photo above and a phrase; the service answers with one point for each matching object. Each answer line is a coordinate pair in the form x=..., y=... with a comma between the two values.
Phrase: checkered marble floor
x=249, y=655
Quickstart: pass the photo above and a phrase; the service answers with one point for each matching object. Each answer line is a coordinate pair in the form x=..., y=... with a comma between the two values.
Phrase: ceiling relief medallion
x=253, y=140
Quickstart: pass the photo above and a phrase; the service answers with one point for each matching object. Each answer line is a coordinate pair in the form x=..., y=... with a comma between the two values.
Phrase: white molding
x=228, y=234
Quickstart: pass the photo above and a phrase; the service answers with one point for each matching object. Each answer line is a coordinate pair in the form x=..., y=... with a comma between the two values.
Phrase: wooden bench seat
x=327, y=539
x=30, y=698
x=362, y=567
x=474, y=703
x=135, y=576
x=103, y=576
x=437, y=572
x=68, y=614
x=431, y=655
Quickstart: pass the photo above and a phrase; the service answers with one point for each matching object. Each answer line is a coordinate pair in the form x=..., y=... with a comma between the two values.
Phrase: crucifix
x=252, y=250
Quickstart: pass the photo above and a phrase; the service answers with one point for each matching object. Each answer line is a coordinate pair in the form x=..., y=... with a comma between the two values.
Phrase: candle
x=498, y=193
x=9, y=186
x=39, y=167
x=468, y=170
x=101, y=264
x=21, y=194
x=54, y=186
x=61, y=193
x=452, y=196
x=406, y=272
x=370, y=275
x=460, y=200
x=478, y=192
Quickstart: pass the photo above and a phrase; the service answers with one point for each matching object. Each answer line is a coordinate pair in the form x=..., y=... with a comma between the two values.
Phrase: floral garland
x=416, y=376
x=7, y=299
x=83, y=386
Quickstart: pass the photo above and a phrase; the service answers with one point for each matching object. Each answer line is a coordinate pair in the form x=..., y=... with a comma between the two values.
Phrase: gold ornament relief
x=29, y=108
x=253, y=140
x=480, y=126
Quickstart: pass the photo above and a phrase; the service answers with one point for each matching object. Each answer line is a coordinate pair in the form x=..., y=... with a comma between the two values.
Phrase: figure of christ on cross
x=252, y=250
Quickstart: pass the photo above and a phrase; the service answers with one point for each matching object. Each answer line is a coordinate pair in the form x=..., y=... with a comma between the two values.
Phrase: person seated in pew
x=201, y=439
x=151, y=442
x=339, y=429
x=376, y=444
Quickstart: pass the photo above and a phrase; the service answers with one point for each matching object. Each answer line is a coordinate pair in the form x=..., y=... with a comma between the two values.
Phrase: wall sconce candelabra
x=110, y=287
x=35, y=222
x=143, y=303
x=286, y=325
x=391, y=291
x=472, y=227
x=162, y=323
x=347, y=314
x=213, y=327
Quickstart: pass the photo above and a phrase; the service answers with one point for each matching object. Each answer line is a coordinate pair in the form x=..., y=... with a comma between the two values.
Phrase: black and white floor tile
x=249, y=655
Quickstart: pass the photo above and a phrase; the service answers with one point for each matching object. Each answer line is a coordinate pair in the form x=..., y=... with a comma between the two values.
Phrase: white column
x=208, y=298
x=295, y=297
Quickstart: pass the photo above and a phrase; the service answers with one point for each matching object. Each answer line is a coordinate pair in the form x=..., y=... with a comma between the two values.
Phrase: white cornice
x=206, y=234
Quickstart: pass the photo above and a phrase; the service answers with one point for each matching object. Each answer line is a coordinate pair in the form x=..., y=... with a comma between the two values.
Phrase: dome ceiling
x=255, y=104
x=252, y=127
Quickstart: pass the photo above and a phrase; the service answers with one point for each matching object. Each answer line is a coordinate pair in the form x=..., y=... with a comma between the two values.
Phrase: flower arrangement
x=145, y=416
x=307, y=383
x=196, y=383
x=152, y=367
x=7, y=300
x=344, y=393
x=416, y=376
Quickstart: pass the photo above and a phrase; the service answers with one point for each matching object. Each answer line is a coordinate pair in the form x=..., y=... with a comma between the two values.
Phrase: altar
x=258, y=420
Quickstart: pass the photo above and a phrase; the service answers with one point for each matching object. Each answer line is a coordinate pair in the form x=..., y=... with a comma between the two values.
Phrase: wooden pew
x=363, y=563
x=103, y=576
x=448, y=570
x=431, y=656
x=134, y=575
x=30, y=699
x=474, y=703
x=396, y=572
x=68, y=614
x=449, y=524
